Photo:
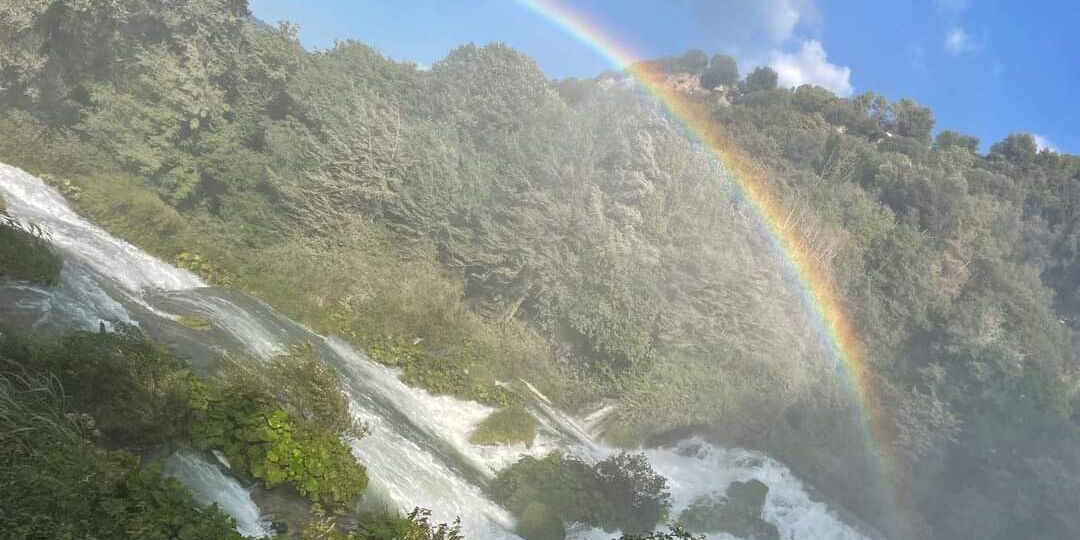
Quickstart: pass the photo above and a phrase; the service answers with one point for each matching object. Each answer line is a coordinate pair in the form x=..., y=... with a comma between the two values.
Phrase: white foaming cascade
x=208, y=485
x=694, y=468
x=31, y=200
x=77, y=302
x=418, y=453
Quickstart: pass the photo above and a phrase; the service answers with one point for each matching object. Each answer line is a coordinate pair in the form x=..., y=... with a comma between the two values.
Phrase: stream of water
x=418, y=453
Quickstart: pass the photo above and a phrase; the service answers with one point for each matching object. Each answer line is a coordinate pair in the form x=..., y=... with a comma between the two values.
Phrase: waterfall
x=418, y=453
x=208, y=485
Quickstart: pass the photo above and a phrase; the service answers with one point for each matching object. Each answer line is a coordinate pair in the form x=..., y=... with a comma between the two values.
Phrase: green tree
x=722, y=71
x=762, y=79
x=913, y=120
x=947, y=139
x=694, y=61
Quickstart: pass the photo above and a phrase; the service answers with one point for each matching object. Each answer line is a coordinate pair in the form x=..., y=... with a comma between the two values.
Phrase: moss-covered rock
x=511, y=425
x=538, y=522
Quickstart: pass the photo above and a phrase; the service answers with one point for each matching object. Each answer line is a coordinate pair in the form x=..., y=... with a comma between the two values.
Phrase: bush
x=303, y=384
x=621, y=492
x=134, y=390
x=77, y=491
x=511, y=425
x=738, y=512
x=637, y=495
x=25, y=255
x=57, y=485
x=538, y=522
x=266, y=443
x=416, y=525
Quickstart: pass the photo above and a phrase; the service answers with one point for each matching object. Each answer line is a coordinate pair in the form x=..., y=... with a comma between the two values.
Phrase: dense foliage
x=478, y=222
x=136, y=391
x=415, y=525
x=736, y=512
x=25, y=255
x=60, y=484
x=281, y=425
x=266, y=443
x=621, y=492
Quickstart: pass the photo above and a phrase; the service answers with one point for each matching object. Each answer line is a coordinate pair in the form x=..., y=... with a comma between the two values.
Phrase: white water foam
x=694, y=468
x=209, y=485
x=31, y=200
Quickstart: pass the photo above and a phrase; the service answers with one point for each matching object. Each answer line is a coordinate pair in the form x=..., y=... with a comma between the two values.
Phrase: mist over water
x=418, y=453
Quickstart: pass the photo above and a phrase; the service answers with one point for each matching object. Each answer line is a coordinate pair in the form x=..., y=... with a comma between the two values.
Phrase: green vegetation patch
x=194, y=322
x=56, y=484
x=25, y=255
x=737, y=512
x=622, y=492
x=282, y=423
x=415, y=525
x=538, y=522
x=127, y=209
x=266, y=443
x=510, y=425
x=134, y=390
x=445, y=375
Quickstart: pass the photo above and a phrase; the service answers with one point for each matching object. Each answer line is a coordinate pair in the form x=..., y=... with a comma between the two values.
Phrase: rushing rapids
x=418, y=453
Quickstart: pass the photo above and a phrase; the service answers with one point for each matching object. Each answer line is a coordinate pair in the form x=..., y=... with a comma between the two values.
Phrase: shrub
x=416, y=525
x=304, y=385
x=25, y=255
x=134, y=390
x=538, y=522
x=738, y=512
x=266, y=443
x=621, y=492
x=637, y=495
x=205, y=268
x=58, y=485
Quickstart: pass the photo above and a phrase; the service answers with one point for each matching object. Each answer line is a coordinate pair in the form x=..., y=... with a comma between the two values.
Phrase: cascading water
x=418, y=453
x=209, y=485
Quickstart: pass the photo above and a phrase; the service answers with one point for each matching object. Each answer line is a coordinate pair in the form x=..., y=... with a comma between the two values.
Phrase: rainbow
x=828, y=307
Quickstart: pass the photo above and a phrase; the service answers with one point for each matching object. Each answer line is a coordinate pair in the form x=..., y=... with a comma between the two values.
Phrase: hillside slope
x=478, y=222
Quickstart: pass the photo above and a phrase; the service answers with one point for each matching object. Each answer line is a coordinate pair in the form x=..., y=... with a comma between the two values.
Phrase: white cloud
x=958, y=41
x=782, y=19
x=1042, y=143
x=810, y=65
x=753, y=28
x=759, y=32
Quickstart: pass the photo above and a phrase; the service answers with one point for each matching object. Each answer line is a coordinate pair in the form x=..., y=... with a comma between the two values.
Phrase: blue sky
x=986, y=68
